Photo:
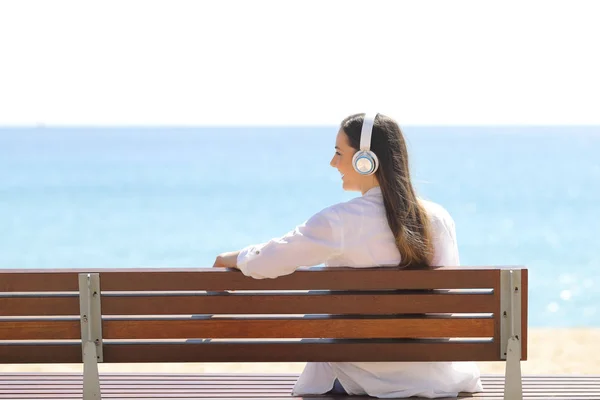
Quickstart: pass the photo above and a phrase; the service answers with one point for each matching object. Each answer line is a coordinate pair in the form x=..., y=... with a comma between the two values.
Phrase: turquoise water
x=138, y=197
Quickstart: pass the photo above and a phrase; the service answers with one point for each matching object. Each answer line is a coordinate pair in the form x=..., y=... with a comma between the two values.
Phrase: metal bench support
x=510, y=334
x=91, y=334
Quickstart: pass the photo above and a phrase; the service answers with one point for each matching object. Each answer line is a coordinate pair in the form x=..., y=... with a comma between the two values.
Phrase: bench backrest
x=217, y=315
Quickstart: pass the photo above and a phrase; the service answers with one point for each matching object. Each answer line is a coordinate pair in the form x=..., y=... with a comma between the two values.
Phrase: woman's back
x=367, y=241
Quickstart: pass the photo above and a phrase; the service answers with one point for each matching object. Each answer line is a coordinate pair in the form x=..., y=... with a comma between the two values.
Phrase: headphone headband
x=365, y=162
x=367, y=130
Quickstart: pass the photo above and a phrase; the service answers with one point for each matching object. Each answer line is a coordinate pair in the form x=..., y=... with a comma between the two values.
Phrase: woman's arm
x=312, y=243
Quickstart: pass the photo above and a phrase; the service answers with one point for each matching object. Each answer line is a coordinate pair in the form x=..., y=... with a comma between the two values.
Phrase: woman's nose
x=333, y=162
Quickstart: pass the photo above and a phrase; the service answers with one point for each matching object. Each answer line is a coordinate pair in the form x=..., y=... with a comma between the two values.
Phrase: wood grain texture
x=191, y=327
x=218, y=279
x=40, y=305
x=325, y=303
x=40, y=353
x=38, y=280
x=317, y=350
x=338, y=278
x=40, y=329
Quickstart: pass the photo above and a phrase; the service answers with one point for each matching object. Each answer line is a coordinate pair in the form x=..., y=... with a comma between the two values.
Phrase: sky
x=309, y=62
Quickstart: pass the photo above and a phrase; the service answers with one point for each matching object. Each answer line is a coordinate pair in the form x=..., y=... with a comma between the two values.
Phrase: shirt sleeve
x=311, y=243
x=445, y=246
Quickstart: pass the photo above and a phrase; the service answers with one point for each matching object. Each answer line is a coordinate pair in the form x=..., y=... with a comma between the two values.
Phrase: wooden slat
x=362, y=302
x=332, y=350
x=306, y=327
x=40, y=353
x=215, y=279
x=267, y=351
x=218, y=279
x=41, y=304
x=139, y=303
x=38, y=280
x=323, y=303
x=39, y=329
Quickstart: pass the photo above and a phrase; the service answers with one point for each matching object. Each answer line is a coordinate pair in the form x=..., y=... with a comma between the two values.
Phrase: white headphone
x=365, y=162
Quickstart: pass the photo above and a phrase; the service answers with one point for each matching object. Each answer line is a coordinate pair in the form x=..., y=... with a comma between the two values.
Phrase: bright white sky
x=263, y=62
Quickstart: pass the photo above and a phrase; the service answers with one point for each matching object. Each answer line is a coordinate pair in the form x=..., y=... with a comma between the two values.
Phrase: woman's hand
x=226, y=260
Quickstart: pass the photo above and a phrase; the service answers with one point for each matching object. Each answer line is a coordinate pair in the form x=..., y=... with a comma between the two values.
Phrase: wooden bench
x=217, y=315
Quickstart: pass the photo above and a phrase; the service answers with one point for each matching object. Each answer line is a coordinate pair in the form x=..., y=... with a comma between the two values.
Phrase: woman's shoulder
x=437, y=213
x=360, y=204
x=334, y=210
x=357, y=206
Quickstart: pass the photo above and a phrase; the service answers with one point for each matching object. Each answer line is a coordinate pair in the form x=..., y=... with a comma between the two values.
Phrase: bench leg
x=513, y=385
x=91, y=378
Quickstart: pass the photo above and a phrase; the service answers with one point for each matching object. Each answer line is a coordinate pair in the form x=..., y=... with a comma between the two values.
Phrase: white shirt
x=356, y=234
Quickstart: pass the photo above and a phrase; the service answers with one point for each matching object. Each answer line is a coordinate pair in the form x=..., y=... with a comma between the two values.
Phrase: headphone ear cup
x=365, y=162
x=375, y=162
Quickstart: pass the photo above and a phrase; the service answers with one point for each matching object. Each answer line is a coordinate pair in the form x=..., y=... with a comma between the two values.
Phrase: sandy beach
x=551, y=351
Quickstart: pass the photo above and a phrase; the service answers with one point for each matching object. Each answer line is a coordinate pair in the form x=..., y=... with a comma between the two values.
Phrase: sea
x=129, y=197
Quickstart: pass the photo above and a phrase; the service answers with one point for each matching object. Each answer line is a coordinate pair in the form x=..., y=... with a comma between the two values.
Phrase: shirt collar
x=374, y=191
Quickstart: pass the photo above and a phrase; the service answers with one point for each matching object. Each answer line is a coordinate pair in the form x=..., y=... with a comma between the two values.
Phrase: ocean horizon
x=132, y=197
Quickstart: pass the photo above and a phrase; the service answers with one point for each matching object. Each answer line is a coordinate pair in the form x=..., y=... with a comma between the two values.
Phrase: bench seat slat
x=337, y=278
x=367, y=327
x=31, y=280
x=139, y=303
x=256, y=351
x=37, y=329
x=246, y=327
x=40, y=305
x=238, y=303
x=299, y=351
x=35, y=354
x=329, y=278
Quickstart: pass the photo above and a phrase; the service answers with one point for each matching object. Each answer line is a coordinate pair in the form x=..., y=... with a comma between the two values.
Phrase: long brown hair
x=405, y=215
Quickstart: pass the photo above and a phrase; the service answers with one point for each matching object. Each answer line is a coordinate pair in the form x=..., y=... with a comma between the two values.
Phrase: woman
x=386, y=226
